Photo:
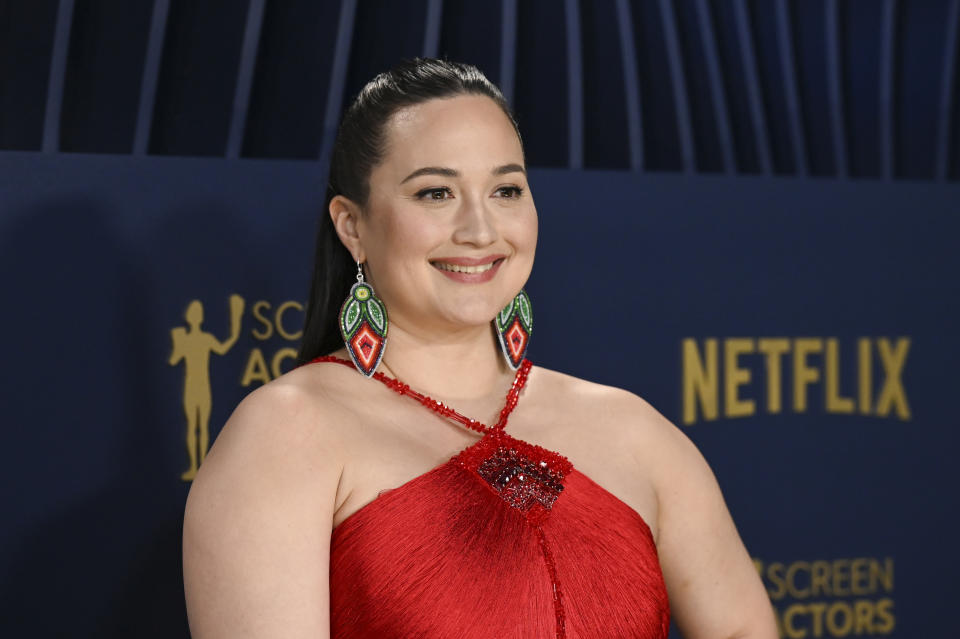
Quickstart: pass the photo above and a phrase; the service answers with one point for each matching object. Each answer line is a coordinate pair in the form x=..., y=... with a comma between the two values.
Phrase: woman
x=575, y=514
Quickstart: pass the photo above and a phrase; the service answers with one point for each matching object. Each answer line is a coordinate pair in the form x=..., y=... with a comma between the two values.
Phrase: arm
x=258, y=518
x=712, y=583
x=236, y=314
x=177, y=335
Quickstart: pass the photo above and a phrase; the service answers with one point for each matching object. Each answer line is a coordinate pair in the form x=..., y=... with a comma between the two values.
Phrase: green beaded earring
x=514, y=325
x=363, y=325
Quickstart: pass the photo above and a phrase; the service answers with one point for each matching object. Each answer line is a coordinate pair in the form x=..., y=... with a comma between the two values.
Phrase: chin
x=474, y=319
x=474, y=314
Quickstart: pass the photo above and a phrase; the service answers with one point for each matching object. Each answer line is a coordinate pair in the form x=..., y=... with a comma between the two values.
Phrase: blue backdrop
x=767, y=223
x=802, y=332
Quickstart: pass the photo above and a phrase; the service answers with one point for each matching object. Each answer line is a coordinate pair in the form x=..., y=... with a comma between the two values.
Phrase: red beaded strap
x=519, y=381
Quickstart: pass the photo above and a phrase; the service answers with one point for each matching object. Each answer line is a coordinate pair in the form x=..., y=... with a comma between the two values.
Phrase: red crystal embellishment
x=527, y=477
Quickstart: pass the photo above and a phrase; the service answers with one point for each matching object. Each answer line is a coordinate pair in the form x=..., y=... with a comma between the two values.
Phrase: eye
x=436, y=194
x=510, y=192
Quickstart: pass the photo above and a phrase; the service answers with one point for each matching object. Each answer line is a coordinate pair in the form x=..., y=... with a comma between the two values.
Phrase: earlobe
x=344, y=214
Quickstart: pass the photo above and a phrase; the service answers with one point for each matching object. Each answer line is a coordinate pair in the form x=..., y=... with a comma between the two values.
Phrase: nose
x=475, y=224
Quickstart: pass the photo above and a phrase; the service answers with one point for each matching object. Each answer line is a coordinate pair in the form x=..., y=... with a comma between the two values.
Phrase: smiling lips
x=472, y=270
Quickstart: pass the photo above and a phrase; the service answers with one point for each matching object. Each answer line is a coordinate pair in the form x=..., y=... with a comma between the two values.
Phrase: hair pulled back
x=359, y=147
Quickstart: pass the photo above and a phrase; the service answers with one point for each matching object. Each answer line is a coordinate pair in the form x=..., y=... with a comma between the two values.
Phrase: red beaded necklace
x=519, y=381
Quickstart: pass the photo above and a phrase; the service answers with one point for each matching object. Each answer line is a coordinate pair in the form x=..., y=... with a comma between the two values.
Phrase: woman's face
x=450, y=229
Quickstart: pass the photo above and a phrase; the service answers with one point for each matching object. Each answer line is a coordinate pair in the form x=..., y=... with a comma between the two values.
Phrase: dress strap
x=519, y=381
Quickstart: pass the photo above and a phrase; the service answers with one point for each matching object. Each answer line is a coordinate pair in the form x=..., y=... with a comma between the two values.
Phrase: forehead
x=455, y=132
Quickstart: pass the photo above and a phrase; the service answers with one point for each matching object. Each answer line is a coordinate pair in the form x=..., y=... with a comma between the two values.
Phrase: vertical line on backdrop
x=947, y=84
x=788, y=69
x=151, y=76
x=338, y=79
x=835, y=88
x=431, y=32
x=887, y=80
x=631, y=84
x=57, y=76
x=508, y=48
x=678, y=77
x=717, y=91
x=574, y=86
x=248, y=64
x=757, y=113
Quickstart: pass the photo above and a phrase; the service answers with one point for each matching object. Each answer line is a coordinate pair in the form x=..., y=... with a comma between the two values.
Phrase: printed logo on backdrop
x=726, y=378
x=831, y=597
x=193, y=348
x=748, y=374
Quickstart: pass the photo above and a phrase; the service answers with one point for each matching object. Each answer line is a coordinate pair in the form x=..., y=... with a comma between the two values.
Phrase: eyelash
x=422, y=195
x=516, y=190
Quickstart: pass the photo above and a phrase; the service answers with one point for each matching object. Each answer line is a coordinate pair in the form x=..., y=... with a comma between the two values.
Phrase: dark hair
x=359, y=147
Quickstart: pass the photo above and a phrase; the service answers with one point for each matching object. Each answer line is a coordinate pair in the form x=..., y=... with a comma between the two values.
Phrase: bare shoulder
x=258, y=517
x=619, y=411
x=279, y=430
x=623, y=439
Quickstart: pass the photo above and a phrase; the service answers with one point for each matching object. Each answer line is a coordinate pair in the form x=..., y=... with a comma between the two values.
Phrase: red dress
x=504, y=540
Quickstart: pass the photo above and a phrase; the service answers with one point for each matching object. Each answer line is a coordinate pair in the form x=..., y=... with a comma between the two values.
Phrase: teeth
x=457, y=268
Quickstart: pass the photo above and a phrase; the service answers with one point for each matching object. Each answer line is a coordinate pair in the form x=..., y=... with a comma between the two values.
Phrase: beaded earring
x=363, y=325
x=514, y=325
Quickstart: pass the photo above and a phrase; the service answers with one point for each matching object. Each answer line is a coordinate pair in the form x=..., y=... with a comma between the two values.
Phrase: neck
x=467, y=366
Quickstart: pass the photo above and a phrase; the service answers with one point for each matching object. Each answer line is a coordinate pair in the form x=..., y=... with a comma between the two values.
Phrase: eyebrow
x=447, y=172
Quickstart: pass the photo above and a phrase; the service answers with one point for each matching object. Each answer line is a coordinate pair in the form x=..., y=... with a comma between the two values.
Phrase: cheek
x=393, y=231
x=412, y=234
x=404, y=239
x=526, y=231
x=534, y=230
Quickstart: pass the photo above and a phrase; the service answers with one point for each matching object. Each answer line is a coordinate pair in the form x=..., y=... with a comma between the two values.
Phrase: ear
x=345, y=215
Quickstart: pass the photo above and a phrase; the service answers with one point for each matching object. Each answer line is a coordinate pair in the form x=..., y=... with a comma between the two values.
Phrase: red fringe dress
x=504, y=540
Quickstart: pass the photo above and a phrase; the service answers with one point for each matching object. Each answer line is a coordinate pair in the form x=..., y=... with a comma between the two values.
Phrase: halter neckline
x=519, y=381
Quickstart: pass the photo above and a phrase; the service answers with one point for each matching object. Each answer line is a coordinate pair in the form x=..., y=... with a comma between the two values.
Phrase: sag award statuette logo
x=193, y=346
